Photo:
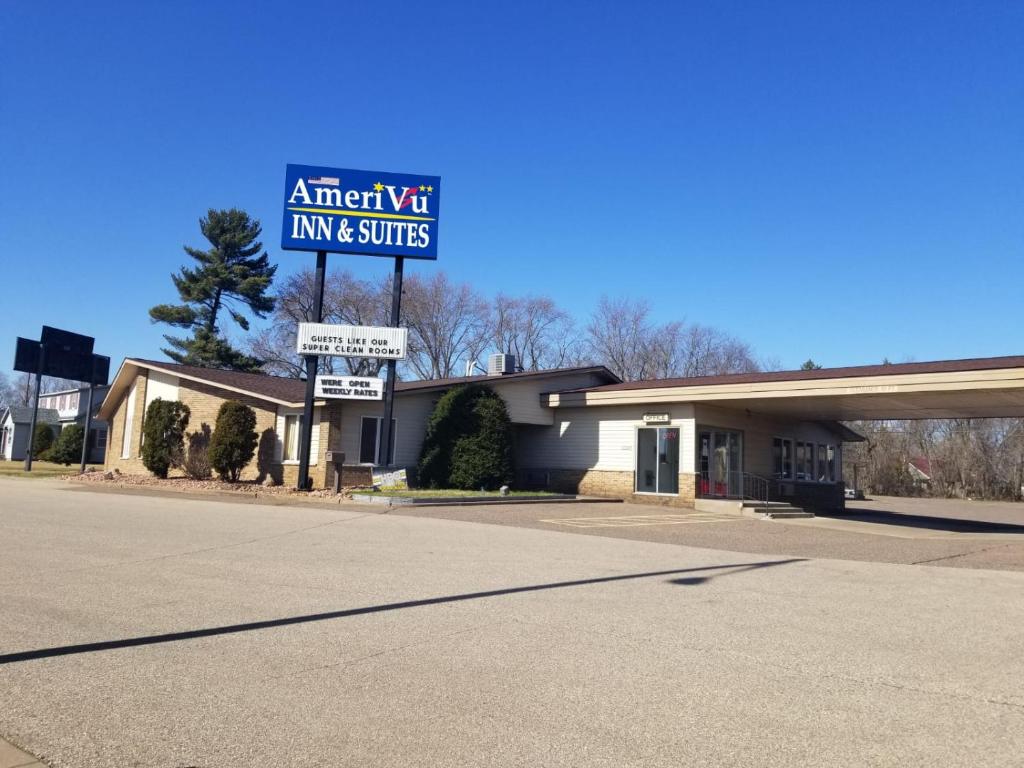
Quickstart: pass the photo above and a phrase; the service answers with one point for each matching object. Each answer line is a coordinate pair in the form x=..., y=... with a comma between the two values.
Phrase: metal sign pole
x=88, y=424
x=306, y=436
x=387, y=436
x=35, y=408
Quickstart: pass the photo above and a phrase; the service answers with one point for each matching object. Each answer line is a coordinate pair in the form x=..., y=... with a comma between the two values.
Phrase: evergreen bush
x=234, y=440
x=67, y=449
x=468, y=442
x=163, y=436
x=197, y=457
x=42, y=441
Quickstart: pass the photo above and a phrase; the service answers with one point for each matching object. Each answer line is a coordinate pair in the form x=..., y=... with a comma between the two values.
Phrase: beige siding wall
x=411, y=414
x=758, y=432
x=602, y=438
x=522, y=398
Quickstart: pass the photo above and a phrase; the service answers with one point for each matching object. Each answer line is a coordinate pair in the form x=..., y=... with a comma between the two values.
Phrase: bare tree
x=347, y=300
x=535, y=330
x=621, y=335
x=447, y=323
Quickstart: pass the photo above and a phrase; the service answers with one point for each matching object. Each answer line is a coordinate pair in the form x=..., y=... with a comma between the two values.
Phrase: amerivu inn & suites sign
x=361, y=212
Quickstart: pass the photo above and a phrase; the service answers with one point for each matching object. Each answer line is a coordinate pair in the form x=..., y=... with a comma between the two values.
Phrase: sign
x=351, y=341
x=342, y=210
x=65, y=341
x=26, y=355
x=66, y=357
x=656, y=418
x=396, y=480
x=350, y=387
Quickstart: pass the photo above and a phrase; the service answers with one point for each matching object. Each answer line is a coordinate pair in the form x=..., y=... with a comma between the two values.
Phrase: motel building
x=702, y=441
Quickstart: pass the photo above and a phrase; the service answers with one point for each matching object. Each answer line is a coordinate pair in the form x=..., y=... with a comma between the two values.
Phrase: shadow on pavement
x=951, y=524
x=129, y=642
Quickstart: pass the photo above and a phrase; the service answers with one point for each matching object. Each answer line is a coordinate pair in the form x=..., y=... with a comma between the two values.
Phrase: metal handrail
x=755, y=488
x=744, y=485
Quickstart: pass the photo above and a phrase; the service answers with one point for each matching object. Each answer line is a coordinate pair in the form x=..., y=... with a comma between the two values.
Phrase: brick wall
x=613, y=485
x=133, y=464
x=204, y=401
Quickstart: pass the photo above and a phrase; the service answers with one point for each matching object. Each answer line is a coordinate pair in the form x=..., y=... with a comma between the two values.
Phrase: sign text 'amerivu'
x=363, y=212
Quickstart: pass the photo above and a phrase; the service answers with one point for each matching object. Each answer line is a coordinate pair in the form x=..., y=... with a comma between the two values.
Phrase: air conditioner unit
x=501, y=364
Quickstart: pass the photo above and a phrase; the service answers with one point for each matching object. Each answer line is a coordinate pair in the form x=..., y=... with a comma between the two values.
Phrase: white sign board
x=349, y=387
x=657, y=418
x=394, y=480
x=352, y=341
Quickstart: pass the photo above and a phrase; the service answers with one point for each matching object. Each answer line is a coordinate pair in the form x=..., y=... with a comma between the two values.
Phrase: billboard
x=351, y=341
x=342, y=210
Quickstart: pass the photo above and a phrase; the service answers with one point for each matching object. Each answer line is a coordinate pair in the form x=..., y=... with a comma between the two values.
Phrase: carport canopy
x=946, y=389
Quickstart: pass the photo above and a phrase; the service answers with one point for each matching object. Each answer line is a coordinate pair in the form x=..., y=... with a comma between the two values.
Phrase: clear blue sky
x=826, y=180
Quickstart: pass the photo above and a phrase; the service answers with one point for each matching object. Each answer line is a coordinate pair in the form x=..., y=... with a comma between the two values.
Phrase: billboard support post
x=35, y=408
x=88, y=426
x=306, y=435
x=387, y=435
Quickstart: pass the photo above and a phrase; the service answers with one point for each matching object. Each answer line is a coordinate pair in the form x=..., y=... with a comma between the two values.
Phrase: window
x=822, y=474
x=370, y=438
x=832, y=451
x=805, y=461
x=782, y=455
x=129, y=413
x=292, y=431
x=101, y=437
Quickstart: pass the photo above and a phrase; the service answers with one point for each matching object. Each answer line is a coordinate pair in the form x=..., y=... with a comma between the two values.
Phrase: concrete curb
x=419, y=503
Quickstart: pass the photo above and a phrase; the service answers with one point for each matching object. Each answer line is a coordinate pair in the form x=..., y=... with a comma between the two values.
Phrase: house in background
x=58, y=410
x=920, y=469
x=14, y=429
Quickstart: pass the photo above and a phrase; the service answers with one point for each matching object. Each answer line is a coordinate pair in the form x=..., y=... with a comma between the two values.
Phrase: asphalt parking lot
x=142, y=631
x=940, y=532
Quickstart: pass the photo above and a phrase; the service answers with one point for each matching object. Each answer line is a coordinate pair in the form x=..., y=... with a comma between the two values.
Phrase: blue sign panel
x=365, y=212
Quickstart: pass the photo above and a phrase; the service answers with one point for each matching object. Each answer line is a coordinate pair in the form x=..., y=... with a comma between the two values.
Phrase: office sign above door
x=351, y=341
x=372, y=213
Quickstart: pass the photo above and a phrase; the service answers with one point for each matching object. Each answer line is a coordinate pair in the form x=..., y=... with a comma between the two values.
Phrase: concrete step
x=775, y=511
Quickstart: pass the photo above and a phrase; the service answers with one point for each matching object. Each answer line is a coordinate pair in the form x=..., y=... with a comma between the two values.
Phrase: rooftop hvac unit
x=501, y=365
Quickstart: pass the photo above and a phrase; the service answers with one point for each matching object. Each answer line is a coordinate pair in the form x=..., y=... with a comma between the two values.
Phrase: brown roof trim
x=427, y=384
x=288, y=391
x=894, y=369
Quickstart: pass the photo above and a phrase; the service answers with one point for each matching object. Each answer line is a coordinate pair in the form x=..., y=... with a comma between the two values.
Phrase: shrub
x=68, y=448
x=484, y=459
x=163, y=436
x=234, y=440
x=197, y=459
x=468, y=442
x=42, y=440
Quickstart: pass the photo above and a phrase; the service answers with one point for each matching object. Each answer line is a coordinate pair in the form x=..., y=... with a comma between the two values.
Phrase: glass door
x=657, y=460
x=721, y=458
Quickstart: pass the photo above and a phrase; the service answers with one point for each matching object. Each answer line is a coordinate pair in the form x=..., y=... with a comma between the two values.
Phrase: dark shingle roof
x=22, y=414
x=294, y=390
x=276, y=387
x=894, y=369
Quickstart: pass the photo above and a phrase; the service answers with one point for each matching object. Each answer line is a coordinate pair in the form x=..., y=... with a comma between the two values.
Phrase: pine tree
x=232, y=275
x=810, y=365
